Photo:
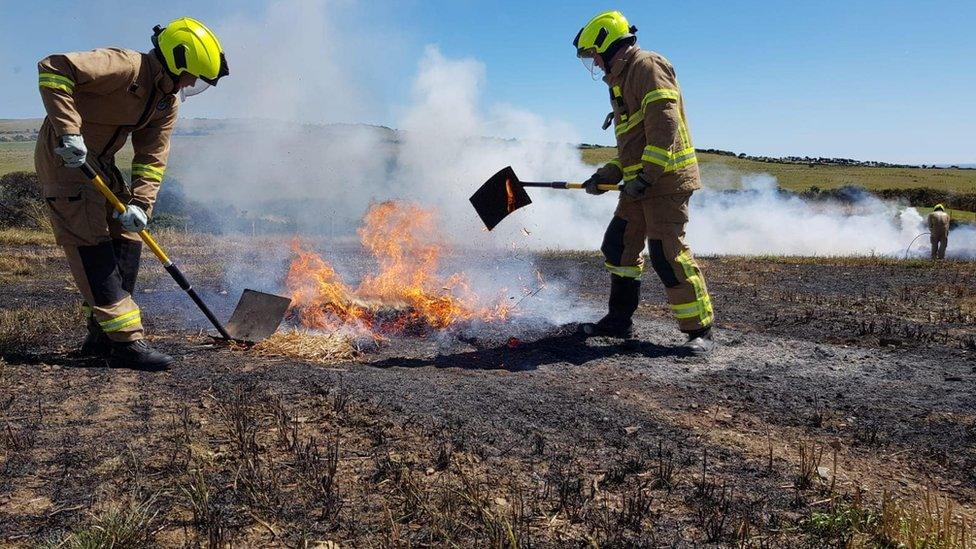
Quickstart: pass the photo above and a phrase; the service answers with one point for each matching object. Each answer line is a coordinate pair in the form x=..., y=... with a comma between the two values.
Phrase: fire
x=510, y=195
x=406, y=289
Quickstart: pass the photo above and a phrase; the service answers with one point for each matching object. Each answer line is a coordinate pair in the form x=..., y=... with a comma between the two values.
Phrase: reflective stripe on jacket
x=107, y=95
x=650, y=125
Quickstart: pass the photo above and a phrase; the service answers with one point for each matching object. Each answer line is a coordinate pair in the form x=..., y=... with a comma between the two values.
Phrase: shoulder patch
x=165, y=103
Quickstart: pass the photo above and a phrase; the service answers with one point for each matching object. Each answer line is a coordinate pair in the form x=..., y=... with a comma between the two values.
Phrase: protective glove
x=134, y=219
x=72, y=150
x=636, y=188
x=591, y=184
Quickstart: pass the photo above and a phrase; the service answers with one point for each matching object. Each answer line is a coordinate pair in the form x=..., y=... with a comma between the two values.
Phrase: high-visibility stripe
x=148, y=171
x=637, y=117
x=122, y=321
x=56, y=81
x=630, y=172
x=615, y=162
x=687, y=310
x=705, y=313
x=658, y=156
x=659, y=94
x=670, y=161
x=634, y=271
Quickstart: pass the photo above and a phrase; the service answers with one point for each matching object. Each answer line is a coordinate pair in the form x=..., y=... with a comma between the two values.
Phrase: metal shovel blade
x=501, y=195
x=257, y=316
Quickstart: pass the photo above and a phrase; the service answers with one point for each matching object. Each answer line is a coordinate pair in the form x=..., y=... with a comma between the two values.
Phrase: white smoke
x=757, y=219
x=450, y=146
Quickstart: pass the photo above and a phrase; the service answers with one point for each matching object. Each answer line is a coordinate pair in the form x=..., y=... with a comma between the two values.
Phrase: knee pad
x=102, y=272
x=127, y=256
x=613, y=241
x=661, y=263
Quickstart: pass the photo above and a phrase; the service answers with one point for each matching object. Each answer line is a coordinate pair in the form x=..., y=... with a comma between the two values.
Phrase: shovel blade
x=257, y=316
x=501, y=195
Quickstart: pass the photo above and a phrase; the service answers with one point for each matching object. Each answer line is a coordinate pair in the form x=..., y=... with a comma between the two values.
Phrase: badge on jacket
x=165, y=103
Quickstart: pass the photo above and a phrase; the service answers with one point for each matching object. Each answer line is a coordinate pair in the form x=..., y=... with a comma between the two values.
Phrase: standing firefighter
x=95, y=100
x=657, y=163
x=939, y=231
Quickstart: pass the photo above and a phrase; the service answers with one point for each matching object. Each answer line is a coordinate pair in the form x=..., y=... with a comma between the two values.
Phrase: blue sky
x=884, y=80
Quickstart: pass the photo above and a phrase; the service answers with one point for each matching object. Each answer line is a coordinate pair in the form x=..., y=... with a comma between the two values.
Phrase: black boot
x=96, y=343
x=138, y=355
x=624, y=297
x=700, y=342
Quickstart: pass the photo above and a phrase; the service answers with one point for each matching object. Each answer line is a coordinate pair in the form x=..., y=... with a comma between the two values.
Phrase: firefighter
x=95, y=101
x=939, y=231
x=657, y=163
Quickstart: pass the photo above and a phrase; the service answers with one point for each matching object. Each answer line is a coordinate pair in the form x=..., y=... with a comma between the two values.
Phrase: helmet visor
x=589, y=63
x=198, y=87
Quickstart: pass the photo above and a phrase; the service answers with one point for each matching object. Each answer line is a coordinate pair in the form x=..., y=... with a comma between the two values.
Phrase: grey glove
x=637, y=187
x=72, y=150
x=134, y=219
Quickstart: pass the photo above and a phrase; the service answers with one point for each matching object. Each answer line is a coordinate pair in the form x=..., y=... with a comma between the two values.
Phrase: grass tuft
x=131, y=525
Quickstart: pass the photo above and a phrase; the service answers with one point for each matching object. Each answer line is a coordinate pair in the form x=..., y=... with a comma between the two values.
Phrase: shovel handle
x=170, y=267
x=567, y=185
x=120, y=207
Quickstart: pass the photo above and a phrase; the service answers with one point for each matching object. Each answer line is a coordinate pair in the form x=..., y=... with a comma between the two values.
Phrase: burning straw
x=321, y=348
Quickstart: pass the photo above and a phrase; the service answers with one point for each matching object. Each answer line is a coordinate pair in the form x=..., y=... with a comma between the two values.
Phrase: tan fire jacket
x=939, y=224
x=106, y=95
x=649, y=121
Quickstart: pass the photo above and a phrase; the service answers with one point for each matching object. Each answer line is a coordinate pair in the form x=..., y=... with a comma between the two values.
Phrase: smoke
x=447, y=151
x=758, y=219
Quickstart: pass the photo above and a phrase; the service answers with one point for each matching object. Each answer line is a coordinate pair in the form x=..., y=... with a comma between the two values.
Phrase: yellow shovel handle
x=120, y=207
x=601, y=187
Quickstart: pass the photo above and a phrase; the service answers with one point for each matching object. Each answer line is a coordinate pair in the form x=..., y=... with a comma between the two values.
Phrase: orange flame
x=511, y=195
x=404, y=240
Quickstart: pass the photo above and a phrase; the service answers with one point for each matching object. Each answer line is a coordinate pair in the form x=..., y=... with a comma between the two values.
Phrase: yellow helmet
x=938, y=208
x=188, y=46
x=602, y=32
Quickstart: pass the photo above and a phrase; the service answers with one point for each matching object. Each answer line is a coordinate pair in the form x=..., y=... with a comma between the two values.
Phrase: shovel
x=257, y=314
x=503, y=193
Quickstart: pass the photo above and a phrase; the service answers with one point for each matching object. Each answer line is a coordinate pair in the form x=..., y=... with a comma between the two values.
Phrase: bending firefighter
x=95, y=101
x=939, y=231
x=657, y=163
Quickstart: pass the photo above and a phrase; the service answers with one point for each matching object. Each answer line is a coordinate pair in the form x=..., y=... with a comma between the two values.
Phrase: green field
x=799, y=177
x=18, y=156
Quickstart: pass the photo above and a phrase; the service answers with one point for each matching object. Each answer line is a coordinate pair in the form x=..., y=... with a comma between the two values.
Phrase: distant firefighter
x=939, y=229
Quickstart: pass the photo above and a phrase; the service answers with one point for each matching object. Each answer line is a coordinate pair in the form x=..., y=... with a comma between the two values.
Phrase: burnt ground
x=839, y=383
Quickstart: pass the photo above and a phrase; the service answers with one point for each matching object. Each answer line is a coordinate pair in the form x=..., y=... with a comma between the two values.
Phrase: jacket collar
x=160, y=77
x=620, y=66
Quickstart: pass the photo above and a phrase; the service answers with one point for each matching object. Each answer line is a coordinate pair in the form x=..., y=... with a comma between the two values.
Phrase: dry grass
x=24, y=327
x=314, y=347
x=930, y=523
x=22, y=265
x=14, y=268
x=23, y=237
